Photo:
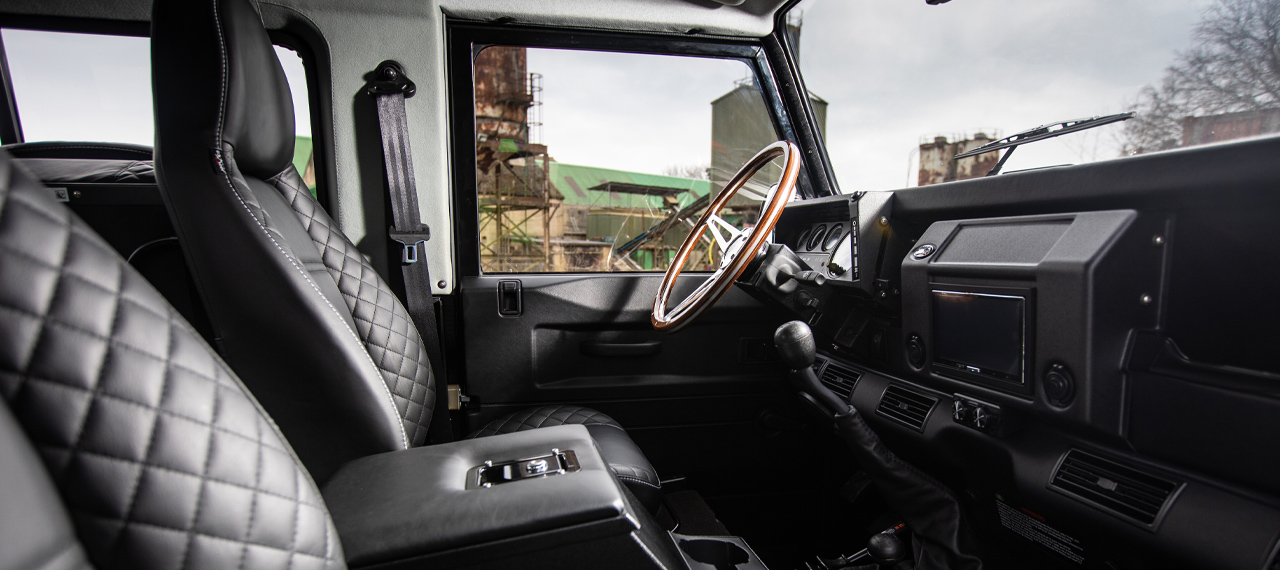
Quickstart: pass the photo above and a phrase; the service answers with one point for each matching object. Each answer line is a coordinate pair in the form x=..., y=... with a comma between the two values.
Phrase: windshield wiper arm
x=1038, y=134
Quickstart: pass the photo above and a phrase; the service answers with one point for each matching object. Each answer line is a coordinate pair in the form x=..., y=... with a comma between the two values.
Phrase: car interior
x=347, y=310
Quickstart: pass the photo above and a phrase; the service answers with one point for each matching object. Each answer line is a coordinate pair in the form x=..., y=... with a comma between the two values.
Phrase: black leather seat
x=297, y=311
x=125, y=441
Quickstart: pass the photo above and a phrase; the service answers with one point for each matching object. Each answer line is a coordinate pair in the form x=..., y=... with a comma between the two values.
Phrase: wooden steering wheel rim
x=719, y=282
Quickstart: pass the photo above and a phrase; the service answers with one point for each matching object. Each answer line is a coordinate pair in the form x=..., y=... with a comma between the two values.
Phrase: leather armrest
x=405, y=504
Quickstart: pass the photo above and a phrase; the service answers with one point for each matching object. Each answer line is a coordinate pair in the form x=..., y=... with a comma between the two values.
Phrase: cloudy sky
x=84, y=87
x=627, y=111
x=894, y=72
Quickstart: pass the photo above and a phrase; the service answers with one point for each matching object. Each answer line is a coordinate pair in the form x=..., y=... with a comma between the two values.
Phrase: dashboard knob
x=1059, y=386
x=961, y=412
x=980, y=417
x=923, y=251
x=915, y=351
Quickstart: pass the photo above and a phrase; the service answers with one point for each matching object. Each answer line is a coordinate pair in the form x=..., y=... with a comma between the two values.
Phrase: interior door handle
x=614, y=349
x=509, y=299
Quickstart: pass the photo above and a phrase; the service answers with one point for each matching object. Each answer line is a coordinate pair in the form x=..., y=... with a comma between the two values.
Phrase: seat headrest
x=216, y=76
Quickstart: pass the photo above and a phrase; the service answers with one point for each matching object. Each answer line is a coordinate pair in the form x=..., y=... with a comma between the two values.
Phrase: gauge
x=833, y=237
x=815, y=240
x=802, y=240
x=842, y=260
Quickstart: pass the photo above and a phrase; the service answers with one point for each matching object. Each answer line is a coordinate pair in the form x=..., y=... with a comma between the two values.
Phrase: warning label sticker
x=1033, y=527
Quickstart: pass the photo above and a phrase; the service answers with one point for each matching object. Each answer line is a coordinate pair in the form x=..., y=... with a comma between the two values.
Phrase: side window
x=95, y=87
x=600, y=161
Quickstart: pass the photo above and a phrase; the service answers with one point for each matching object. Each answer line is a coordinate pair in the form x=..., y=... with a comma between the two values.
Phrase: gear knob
x=796, y=344
x=886, y=549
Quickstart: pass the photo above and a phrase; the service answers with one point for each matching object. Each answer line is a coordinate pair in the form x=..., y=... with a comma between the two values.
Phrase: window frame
x=464, y=41
x=796, y=98
x=286, y=28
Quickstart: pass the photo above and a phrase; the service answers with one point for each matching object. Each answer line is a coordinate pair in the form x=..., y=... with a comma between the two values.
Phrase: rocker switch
x=509, y=302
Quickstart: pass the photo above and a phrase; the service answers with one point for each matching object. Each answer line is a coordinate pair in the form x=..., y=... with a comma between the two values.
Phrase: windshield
x=906, y=85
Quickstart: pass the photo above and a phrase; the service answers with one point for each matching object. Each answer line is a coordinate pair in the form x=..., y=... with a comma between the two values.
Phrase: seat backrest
x=159, y=456
x=297, y=311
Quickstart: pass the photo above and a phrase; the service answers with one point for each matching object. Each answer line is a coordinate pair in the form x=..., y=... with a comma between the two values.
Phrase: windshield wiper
x=1038, y=134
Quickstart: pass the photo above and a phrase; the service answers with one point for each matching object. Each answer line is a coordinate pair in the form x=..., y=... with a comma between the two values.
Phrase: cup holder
x=719, y=554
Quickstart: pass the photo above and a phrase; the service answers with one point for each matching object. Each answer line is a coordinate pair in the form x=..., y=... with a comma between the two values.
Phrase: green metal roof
x=301, y=153
x=574, y=182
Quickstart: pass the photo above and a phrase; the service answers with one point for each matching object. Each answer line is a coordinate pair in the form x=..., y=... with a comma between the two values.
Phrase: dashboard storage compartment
x=423, y=508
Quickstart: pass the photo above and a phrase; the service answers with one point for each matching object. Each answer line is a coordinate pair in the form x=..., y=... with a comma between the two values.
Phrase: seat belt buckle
x=409, y=243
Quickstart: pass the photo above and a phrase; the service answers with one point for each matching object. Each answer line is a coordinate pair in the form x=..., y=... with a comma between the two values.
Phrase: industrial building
x=937, y=162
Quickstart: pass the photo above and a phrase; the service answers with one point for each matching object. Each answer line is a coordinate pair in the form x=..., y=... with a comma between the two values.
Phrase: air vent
x=840, y=379
x=905, y=406
x=1120, y=489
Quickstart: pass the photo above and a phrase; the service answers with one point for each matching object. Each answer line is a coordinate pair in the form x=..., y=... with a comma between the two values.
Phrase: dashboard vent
x=840, y=379
x=1120, y=489
x=905, y=406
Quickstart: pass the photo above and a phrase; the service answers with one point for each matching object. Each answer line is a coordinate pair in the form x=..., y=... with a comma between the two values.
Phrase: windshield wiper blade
x=1040, y=133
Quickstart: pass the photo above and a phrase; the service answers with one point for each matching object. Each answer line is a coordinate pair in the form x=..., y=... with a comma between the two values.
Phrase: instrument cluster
x=830, y=247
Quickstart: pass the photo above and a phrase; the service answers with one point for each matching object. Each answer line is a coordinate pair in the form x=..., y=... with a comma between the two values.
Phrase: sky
x=85, y=87
x=896, y=71
x=893, y=72
x=640, y=113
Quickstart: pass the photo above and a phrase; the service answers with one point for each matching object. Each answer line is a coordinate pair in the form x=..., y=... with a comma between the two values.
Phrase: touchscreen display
x=979, y=333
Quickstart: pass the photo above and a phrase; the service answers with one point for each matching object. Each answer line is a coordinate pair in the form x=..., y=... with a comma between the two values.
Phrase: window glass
x=593, y=161
x=81, y=87
x=909, y=85
x=90, y=87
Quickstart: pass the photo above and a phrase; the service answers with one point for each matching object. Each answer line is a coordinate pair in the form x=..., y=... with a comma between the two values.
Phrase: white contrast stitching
x=218, y=153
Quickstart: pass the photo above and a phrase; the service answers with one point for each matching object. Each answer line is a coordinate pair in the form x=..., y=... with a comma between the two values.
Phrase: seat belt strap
x=389, y=88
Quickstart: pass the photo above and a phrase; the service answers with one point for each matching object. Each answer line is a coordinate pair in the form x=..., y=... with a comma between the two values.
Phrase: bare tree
x=1233, y=65
x=695, y=171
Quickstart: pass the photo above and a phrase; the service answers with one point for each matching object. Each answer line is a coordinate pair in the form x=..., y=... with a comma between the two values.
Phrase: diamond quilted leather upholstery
x=546, y=416
x=160, y=455
x=381, y=320
x=297, y=312
x=616, y=447
x=35, y=528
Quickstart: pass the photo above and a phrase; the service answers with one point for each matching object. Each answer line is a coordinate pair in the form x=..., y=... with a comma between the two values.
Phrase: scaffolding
x=516, y=198
x=515, y=195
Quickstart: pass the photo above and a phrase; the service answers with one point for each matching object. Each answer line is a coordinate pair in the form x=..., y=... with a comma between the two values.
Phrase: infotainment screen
x=979, y=334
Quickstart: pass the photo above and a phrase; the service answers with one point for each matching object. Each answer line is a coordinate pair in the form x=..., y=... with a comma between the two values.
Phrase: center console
x=541, y=498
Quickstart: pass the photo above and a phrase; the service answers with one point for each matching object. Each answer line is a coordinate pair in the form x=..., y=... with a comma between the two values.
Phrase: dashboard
x=1022, y=358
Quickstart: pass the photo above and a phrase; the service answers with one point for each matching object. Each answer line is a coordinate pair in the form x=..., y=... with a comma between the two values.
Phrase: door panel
x=712, y=394
x=573, y=339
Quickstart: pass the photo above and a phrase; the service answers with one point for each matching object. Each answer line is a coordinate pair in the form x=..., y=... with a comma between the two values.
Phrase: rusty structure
x=1227, y=126
x=937, y=163
x=516, y=197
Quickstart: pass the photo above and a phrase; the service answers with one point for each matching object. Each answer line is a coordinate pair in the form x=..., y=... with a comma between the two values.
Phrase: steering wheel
x=738, y=248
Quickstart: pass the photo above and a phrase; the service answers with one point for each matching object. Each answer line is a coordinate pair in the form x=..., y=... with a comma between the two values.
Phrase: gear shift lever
x=796, y=345
x=927, y=506
x=886, y=549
